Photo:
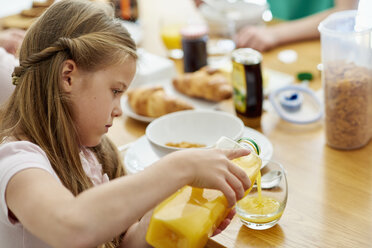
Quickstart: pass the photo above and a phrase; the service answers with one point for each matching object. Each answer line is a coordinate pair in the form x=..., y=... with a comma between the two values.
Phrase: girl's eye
x=117, y=92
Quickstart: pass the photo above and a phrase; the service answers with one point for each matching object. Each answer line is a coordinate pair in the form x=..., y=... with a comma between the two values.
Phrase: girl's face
x=96, y=99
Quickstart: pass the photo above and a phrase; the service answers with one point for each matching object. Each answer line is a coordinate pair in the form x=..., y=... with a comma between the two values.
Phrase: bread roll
x=206, y=83
x=152, y=101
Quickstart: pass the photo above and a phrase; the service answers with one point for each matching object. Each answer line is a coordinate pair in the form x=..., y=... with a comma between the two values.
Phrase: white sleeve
x=15, y=157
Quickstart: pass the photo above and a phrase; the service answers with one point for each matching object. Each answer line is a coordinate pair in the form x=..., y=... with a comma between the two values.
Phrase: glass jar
x=247, y=84
x=347, y=80
x=194, y=46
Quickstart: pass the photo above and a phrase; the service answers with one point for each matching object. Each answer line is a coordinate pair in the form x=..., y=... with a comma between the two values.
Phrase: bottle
x=126, y=9
x=194, y=46
x=190, y=216
x=247, y=84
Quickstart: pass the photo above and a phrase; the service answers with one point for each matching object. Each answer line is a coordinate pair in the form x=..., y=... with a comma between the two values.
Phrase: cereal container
x=347, y=80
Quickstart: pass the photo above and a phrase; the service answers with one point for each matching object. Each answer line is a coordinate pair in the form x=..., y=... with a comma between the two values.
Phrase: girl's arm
x=52, y=213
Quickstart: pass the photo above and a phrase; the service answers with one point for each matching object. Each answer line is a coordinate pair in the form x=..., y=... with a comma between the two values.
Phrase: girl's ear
x=69, y=74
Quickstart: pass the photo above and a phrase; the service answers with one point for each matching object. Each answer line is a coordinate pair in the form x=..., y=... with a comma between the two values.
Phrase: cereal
x=348, y=105
x=184, y=144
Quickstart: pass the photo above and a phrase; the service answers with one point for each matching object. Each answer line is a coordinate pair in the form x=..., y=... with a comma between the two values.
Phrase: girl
x=75, y=63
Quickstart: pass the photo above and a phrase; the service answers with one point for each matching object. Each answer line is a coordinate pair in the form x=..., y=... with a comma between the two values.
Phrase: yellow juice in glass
x=265, y=209
x=171, y=36
x=190, y=216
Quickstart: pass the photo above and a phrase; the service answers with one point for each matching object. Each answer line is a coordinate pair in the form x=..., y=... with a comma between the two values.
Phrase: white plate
x=141, y=155
x=169, y=89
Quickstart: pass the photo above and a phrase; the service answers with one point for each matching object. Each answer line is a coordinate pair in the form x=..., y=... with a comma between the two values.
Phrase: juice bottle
x=190, y=216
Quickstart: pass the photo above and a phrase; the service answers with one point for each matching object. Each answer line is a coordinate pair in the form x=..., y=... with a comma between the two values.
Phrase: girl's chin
x=92, y=143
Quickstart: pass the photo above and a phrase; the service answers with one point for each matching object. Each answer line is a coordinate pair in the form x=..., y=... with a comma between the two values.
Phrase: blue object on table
x=296, y=104
x=291, y=101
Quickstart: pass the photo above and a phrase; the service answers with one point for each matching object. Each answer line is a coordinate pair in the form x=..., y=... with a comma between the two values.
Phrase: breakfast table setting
x=328, y=179
x=329, y=190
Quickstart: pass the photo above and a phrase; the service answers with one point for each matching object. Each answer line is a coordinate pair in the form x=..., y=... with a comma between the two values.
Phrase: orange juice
x=260, y=206
x=171, y=36
x=187, y=218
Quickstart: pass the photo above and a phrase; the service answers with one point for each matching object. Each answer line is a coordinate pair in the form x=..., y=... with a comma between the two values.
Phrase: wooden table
x=330, y=191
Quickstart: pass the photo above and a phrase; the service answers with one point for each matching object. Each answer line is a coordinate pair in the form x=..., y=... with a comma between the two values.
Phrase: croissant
x=206, y=83
x=152, y=101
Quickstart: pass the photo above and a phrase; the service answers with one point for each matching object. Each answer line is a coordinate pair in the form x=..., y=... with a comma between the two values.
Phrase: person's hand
x=11, y=39
x=225, y=222
x=212, y=168
x=258, y=38
x=198, y=2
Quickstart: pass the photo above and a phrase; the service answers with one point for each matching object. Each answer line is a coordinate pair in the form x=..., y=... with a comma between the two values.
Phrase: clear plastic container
x=190, y=216
x=347, y=80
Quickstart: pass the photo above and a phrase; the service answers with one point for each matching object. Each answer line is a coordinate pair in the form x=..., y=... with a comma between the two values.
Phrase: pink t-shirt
x=14, y=157
x=20, y=155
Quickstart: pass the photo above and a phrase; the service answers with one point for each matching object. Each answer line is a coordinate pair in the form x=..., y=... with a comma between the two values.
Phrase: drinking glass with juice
x=265, y=204
x=171, y=36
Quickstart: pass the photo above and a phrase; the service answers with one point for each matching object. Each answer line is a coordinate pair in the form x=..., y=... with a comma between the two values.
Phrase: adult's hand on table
x=258, y=38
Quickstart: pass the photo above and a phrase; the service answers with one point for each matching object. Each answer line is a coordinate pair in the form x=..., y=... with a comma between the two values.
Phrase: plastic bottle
x=190, y=216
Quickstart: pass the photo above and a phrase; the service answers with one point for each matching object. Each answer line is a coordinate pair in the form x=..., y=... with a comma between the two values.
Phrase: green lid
x=251, y=143
x=304, y=76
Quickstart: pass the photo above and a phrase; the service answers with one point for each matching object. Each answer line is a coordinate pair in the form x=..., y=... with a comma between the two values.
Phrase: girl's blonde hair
x=38, y=110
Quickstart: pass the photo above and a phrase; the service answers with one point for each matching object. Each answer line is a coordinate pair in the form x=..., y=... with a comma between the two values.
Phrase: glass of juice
x=170, y=32
x=264, y=205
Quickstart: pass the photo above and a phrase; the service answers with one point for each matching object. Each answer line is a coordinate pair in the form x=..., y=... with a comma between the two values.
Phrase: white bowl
x=222, y=14
x=192, y=126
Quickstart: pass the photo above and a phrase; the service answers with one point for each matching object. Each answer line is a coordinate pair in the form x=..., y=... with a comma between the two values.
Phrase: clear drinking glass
x=263, y=207
x=170, y=32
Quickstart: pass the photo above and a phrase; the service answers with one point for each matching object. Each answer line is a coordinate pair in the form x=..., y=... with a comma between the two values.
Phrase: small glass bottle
x=194, y=46
x=126, y=9
x=247, y=84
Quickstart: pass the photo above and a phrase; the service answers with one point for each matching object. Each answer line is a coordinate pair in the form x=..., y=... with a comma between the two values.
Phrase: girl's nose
x=117, y=111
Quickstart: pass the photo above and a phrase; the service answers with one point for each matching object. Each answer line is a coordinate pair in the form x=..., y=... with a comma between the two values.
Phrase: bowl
x=195, y=127
x=225, y=17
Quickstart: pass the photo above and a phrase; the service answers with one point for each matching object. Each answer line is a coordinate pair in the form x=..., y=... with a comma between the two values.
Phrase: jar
x=347, y=80
x=194, y=46
x=247, y=84
x=191, y=215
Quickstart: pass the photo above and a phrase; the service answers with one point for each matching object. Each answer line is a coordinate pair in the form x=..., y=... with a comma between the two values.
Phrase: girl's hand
x=212, y=168
x=258, y=38
x=225, y=222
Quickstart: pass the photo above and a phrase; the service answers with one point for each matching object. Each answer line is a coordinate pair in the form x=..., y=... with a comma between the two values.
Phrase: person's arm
x=52, y=213
x=266, y=38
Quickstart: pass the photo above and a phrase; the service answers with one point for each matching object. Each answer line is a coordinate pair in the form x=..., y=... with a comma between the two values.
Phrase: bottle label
x=239, y=86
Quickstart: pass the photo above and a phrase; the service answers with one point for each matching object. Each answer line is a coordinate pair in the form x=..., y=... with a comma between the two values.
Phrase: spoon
x=270, y=179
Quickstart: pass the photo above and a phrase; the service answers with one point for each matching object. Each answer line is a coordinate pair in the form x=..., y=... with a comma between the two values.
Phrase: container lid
x=306, y=108
x=341, y=23
x=246, y=56
x=194, y=31
x=250, y=143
